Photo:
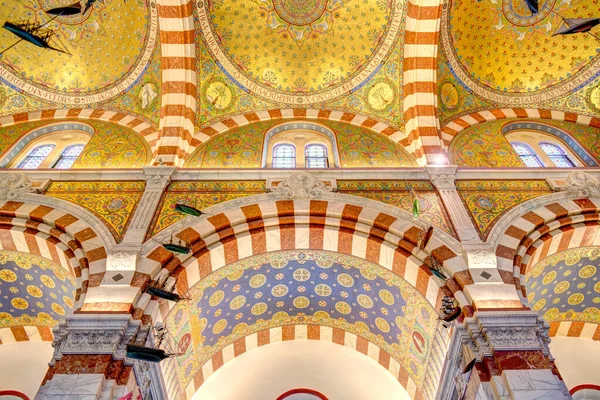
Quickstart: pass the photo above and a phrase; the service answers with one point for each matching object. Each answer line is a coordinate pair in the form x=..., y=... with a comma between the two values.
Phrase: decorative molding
x=452, y=368
x=582, y=184
x=158, y=177
x=487, y=332
x=150, y=380
x=443, y=176
x=480, y=256
x=14, y=185
x=122, y=260
x=301, y=185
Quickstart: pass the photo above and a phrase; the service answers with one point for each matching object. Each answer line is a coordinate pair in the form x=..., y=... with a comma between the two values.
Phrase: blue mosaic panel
x=566, y=286
x=301, y=287
x=33, y=291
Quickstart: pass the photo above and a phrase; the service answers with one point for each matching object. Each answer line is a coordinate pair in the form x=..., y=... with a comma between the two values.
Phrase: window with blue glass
x=316, y=156
x=68, y=156
x=557, y=155
x=527, y=155
x=284, y=156
x=36, y=157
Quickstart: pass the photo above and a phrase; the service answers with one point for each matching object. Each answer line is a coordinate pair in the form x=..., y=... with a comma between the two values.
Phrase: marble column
x=510, y=359
x=89, y=361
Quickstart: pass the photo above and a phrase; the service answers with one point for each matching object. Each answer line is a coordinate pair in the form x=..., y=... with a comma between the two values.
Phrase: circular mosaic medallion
x=575, y=299
x=216, y=298
x=597, y=287
x=386, y=297
x=449, y=95
x=300, y=12
x=382, y=324
x=380, y=95
x=345, y=280
x=35, y=291
x=20, y=303
x=343, y=307
x=237, y=302
x=259, y=308
x=301, y=275
x=219, y=326
x=257, y=281
x=587, y=271
x=539, y=304
x=218, y=94
x=46, y=280
x=323, y=289
x=549, y=277
x=364, y=301
x=561, y=287
x=279, y=290
x=7, y=275
x=517, y=12
x=301, y=302
x=594, y=98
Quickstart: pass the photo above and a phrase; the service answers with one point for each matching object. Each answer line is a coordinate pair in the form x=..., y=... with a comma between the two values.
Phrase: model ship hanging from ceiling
x=40, y=36
x=568, y=26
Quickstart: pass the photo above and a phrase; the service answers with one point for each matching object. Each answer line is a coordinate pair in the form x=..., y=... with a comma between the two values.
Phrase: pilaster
x=509, y=357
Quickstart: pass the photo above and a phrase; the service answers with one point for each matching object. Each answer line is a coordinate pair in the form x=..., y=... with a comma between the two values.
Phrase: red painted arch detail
x=14, y=393
x=307, y=391
x=582, y=387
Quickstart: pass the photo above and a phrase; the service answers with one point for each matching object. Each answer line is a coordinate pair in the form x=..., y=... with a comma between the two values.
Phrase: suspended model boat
x=450, y=311
x=178, y=248
x=143, y=353
x=73, y=9
x=426, y=238
x=35, y=34
x=189, y=210
x=164, y=291
x=533, y=6
x=570, y=26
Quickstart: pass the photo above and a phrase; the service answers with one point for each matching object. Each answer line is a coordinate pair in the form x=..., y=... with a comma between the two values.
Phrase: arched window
x=557, y=155
x=284, y=156
x=527, y=155
x=316, y=156
x=68, y=157
x=36, y=157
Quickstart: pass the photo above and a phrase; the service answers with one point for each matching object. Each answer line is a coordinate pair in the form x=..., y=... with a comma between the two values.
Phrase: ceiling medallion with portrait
x=103, y=62
x=300, y=52
x=503, y=53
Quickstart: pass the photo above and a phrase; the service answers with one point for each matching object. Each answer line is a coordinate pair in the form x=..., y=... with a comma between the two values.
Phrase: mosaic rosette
x=306, y=288
x=34, y=291
x=566, y=286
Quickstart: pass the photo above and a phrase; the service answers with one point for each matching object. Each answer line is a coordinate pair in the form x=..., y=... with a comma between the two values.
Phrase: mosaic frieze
x=488, y=200
x=199, y=195
x=566, y=286
x=112, y=202
x=397, y=194
x=34, y=291
x=307, y=288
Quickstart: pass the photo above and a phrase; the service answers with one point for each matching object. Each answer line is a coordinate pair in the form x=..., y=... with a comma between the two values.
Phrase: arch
x=178, y=109
x=411, y=146
x=452, y=128
x=421, y=38
x=285, y=395
x=363, y=228
x=307, y=332
x=130, y=120
x=314, y=127
x=14, y=393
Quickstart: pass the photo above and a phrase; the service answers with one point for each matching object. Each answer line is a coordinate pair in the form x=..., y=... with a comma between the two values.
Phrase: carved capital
x=122, y=260
x=487, y=332
x=13, y=185
x=158, y=177
x=480, y=256
x=443, y=176
x=300, y=185
x=582, y=184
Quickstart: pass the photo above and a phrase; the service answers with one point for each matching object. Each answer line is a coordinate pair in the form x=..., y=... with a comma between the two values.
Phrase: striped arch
x=26, y=334
x=545, y=227
x=147, y=130
x=454, y=127
x=74, y=239
x=178, y=63
x=421, y=40
x=303, y=332
x=251, y=226
x=310, y=114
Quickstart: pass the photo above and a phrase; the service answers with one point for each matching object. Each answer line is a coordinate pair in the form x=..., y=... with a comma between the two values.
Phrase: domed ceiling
x=263, y=54
x=566, y=286
x=34, y=291
x=295, y=287
x=109, y=48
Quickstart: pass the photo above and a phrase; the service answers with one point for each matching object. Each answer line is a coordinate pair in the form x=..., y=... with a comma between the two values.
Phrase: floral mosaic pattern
x=10, y=134
x=311, y=287
x=483, y=145
x=114, y=146
x=397, y=194
x=566, y=286
x=112, y=202
x=487, y=201
x=34, y=291
x=199, y=195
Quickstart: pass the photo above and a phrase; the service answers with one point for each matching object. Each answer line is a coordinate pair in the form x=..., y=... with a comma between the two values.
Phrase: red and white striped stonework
x=26, y=333
x=140, y=126
x=304, y=332
x=359, y=231
x=579, y=329
x=420, y=77
x=544, y=231
x=452, y=128
x=57, y=235
x=178, y=63
x=312, y=114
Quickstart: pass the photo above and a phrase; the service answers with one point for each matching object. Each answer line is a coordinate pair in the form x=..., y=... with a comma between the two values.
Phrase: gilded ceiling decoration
x=110, y=45
x=503, y=54
x=297, y=287
x=34, y=291
x=566, y=286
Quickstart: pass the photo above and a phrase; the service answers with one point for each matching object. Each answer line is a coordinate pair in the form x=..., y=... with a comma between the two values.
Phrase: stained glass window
x=68, y=157
x=527, y=155
x=36, y=157
x=316, y=156
x=557, y=155
x=284, y=156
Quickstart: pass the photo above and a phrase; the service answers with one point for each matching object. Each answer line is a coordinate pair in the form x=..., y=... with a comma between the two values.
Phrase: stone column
x=89, y=361
x=511, y=359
